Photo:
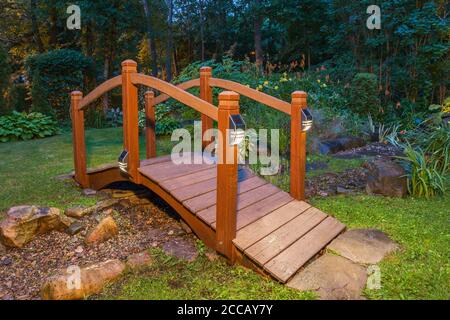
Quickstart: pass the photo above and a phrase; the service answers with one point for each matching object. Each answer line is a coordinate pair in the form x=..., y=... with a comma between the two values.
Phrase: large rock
x=386, y=177
x=22, y=224
x=368, y=246
x=75, y=284
x=332, y=278
x=340, y=144
x=106, y=229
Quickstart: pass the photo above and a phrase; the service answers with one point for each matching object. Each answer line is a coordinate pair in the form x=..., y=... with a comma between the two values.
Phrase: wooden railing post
x=150, y=124
x=227, y=176
x=130, y=118
x=298, y=146
x=79, y=146
x=205, y=94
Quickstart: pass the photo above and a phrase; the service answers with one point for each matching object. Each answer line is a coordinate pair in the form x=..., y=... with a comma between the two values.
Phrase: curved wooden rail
x=99, y=91
x=176, y=93
x=252, y=94
x=183, y=86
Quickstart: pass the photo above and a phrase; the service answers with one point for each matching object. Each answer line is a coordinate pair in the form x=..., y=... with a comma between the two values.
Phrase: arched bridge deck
x=231, y=209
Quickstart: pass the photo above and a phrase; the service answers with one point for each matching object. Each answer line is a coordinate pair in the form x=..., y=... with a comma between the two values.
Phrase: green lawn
x=420, y=270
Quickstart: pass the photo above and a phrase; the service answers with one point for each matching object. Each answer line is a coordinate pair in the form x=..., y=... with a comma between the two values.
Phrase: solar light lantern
x=123, y=165
x=237, y=129
x=307, y=120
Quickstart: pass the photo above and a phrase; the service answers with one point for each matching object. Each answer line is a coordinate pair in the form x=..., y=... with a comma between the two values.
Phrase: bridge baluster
x=130, y=118
x=205, y=94
x=227, y=176
x=150, y=122
x=79, y=146
x=298, y=146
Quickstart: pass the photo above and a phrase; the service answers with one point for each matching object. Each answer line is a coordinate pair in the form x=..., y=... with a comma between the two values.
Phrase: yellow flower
x=318, y=80
x=266, y=83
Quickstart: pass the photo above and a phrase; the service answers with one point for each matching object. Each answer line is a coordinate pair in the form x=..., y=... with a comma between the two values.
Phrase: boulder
x=22, y=224
x=332, y=146
x=106, y=229
x=139, y=260
x=75, y=284
x=332, y=278
x=386, y=177
x=367, y=246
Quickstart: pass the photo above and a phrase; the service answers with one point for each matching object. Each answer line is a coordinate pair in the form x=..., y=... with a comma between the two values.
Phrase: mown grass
x=28, y=169
x=170, y=278
x=420, y=270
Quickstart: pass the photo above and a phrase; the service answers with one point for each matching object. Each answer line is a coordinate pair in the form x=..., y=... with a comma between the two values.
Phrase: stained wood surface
x=276, y=232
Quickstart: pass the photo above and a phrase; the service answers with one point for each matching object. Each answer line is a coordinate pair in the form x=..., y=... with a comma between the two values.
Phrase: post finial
x=129, y=66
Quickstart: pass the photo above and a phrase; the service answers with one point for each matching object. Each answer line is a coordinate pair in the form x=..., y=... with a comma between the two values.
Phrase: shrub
x=53, y=76
x=364, y=98
x=23, y=126
x=165, y=123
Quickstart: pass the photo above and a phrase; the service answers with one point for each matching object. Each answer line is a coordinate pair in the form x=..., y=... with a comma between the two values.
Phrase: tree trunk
x=35, y=27
x=53, y=27
x=202, y=31
x=258, y=36
x=151, y=39
x=169, y=43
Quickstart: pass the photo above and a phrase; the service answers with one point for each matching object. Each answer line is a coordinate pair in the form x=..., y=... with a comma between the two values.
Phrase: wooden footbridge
x=239, y=214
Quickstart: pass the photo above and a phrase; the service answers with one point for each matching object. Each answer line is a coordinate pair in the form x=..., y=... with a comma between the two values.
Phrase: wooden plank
x=161, y=159
x=165, y=171
x=204, y=186
x=267, y=224
x=287, y=263
x=271, y=245
x=195, y=190
x=261, y=208
x=208, y=215
x=249, y=191
x=189, y=179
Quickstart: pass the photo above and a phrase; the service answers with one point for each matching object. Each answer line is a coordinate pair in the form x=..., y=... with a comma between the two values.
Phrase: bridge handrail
x=99, y=91
x=252, y=94
x=175, y=92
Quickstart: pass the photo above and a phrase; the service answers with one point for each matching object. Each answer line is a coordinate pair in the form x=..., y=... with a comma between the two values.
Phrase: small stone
x=322, y=194
x=185, y=227
x=75, y=228
x=154, y=244
x=211, y=255
x=139, y=260
x=6, y=261
x=170, y=233
x=89, y=192
x=342, y=190
x=367, y=246
x=76, y=212
x=79, y=249
x=106, y=229
x=332, y=277
x=182, y=250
